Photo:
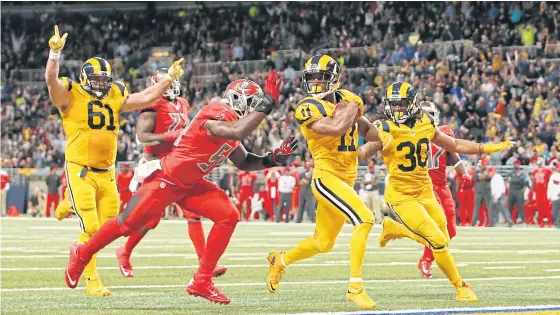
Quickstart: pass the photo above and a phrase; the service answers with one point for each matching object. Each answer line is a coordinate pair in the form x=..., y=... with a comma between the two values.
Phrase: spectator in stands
x=36, y=204
x=53, y=184
x=498, y=191
x=286, y=184
x=4, y=187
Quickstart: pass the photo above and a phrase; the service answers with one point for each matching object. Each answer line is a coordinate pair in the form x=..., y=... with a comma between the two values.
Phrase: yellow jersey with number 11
x=335, y=155
x=407, y=159
x=92, y=125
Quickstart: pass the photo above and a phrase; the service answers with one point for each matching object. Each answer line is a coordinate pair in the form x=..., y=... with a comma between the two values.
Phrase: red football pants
x=203, y=198
x=245, y=198
x=544, y=207
x=445, y=199
x=52, y=199
x=466, y=207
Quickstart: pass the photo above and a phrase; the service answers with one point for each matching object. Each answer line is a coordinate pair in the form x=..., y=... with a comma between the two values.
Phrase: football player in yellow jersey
x=332, y=138
x=90, y=113
x=405, y=134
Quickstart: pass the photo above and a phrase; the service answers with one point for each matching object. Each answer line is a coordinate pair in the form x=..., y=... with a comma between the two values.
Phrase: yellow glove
x=386, y=140
x=502, y=146
x=175, y=71
x=56, y=43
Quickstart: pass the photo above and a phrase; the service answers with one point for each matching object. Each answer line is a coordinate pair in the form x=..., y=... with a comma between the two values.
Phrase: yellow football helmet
x=400, y=102
x=96, y=77
x=321, y=76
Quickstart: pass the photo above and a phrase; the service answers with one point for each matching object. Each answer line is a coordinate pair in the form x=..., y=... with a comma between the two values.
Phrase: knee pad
x=324, y=245
x=439, y=240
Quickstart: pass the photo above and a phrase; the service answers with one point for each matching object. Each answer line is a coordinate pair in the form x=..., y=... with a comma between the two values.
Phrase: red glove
x=273, y=83
x=287, y=148
x=466, y=182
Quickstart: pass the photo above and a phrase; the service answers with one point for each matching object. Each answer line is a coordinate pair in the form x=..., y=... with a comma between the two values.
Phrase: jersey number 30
x=100, y=123
x=414, y=155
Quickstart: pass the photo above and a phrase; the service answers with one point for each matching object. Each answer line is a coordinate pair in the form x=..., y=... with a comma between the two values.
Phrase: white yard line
x=445, y=311
x=305, y=265
x=505, y=267
x=552, y=270
x=248, y=284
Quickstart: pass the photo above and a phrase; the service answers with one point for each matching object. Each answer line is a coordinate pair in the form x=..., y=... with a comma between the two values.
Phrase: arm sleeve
x=308, y=111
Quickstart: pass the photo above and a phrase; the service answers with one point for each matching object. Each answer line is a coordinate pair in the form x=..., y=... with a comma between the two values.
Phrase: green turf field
x=508, y=267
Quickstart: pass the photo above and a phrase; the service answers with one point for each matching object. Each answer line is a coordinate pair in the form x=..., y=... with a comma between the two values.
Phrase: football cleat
x=63, y=210
x=390, y=231
x=219, y=271
x=202, y=286
x=361, y=298
x=74, y=268
x=276, y=271
x=425, y=268
x=95, y=287
x=124, y=263
x=465, y=293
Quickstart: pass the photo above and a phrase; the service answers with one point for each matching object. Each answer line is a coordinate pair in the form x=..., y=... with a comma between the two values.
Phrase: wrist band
x=54, y=55
x=267, y=161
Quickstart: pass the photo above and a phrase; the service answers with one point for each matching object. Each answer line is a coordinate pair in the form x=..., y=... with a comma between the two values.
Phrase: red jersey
x=4, y=179
x=439, y=160
x=196, y=153
x=541, y=177
x=247, y=181
x=123, y=180
x=171, y=115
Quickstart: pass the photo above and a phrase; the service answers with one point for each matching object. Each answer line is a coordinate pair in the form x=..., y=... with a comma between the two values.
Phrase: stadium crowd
x=484, y=93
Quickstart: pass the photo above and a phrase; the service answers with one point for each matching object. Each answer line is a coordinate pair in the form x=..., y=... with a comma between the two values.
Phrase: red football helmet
x=243, y=96
x=432, y=109
x=175, y=88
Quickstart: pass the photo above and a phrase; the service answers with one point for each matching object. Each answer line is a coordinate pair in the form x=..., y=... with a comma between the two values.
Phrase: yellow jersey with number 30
x=407, y=158
x=92, y=125
x=335, y=155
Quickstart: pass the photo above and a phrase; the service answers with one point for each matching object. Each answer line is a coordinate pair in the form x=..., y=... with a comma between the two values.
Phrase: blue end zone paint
x=481, y=310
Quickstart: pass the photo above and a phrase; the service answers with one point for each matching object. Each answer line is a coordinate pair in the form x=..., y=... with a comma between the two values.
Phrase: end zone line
x=445, y=311
x=247, y=284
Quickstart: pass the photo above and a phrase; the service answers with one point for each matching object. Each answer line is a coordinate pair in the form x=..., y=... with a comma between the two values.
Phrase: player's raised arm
x=468, y=147
x=251, y=162
x=145, y=126
x=251, y=103
x=368, y=149
x=58, y=91
x=149, y=95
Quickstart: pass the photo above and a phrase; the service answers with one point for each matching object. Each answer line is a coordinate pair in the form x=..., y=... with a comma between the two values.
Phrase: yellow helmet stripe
x=323, y=61
x=389, y=90
x=404, y=89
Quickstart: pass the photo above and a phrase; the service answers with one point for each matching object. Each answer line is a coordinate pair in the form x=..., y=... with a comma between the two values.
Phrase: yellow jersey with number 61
x=92, y=125
x=407, y=158
x=335, y=155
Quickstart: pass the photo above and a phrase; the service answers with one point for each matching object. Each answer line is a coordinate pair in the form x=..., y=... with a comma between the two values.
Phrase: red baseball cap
x=517, y=162
x=491, y=169
x=307, y=165
x=371, y=166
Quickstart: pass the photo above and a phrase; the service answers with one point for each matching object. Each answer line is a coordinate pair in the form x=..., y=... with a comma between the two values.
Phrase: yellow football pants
x=95, y=200
x=337, y=202
x=425, y=218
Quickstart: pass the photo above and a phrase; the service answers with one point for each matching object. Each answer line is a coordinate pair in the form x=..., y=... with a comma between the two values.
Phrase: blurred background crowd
x=491, y=67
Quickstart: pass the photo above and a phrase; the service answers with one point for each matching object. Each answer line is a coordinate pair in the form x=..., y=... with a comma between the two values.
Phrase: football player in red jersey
x=246, y=190
x=157, y=127
x=123, y=183
x=439, y=161
x=213, y=135
x=540, y=177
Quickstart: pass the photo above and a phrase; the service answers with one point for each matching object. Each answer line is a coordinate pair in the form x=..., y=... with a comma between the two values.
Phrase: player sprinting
x=406, y=133
x=213, y=135
x=90, y=112
x=332, y=137
x=157, y=127
x=439, y=159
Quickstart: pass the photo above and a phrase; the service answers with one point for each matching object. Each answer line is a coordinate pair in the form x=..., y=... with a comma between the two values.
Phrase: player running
x=90, y=112
x=406, y=133
x=438, y=162
x=213, y=135
x=157, y=127
x=327, y=117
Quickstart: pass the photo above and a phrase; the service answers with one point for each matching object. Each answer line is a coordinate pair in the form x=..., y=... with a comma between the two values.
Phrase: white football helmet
x=243, y=96
x=175, y=88
x=432, y=109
